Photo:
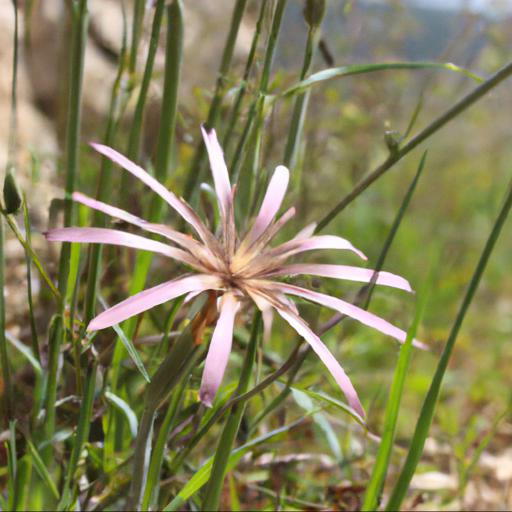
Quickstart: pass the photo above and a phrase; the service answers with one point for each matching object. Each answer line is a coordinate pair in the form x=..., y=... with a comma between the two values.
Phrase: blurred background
x=468, y=168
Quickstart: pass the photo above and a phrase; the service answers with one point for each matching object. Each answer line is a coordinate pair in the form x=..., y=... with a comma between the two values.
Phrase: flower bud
x=392, y=138
x=314, y=11
x=12, y=196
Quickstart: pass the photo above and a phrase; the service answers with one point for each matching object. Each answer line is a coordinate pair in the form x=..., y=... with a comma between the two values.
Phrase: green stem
x=301, y=104
x=428, y=408
x=11, y=222
x=119, y=97
x=28, y=263
x=174, y=367
x=165, y=147
x=134, y=139
x=138, y=18
x=82, y=433
x=57, y=332
x=4, y=360
x=151, y=493
x=197, y=167
x=13, y=130
x=256, y=112
x=459, y=107
x=237, y=105
x=230, y=431
x=78, y=42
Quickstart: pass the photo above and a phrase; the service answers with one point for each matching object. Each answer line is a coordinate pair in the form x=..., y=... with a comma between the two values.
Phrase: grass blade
x=82, y=433
x=380, y=467
x=428, y=408
x=123, y=406
x=26, y=352
x=360, y=69
x=4, y=359
x=42, y=469
x=129, y=346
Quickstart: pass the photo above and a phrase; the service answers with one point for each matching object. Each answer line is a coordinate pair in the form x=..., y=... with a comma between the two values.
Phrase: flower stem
x=216, y=481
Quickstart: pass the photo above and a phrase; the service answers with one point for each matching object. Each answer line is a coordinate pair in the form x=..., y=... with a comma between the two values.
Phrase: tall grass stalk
x=139, y=7
x=118, y=99
x=380, y=467
x=197, y=168
x=313, y=14
x=427, y=411
x=164, y=152
x=255, y=119
x=135, y=135
x=79, y=19
x=157, y=456
x=28, y=264
x=4, y=359
x=81, y=437
x=230, y=431
x=237, y=104
x=175, y=367
x=10, y=203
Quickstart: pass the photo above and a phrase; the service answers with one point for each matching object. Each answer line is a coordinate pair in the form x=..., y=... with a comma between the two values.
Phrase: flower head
x=238, y=269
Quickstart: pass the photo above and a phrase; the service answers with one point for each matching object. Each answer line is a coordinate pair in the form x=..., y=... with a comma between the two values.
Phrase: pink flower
x=237, y=268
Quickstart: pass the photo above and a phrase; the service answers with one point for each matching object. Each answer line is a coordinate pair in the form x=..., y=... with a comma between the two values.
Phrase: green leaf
x=122, y=406
x=25, y=351
x=129, y=346
x=304, y=401
x=42, y=470
x=338, y=404
x=358, y=69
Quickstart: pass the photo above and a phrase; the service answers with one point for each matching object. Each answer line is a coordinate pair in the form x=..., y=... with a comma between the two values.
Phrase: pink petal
x=348, y=309
x=115, y=237
x=326, y=357
x=152, y=297
x=118, y=213
x=220, y=348
x=306, y=232
x=346, y=272
x=271, y=202
x=177, y=203
x=297, y=246
x=268, y=319
x=181, y=239
x=219, y=170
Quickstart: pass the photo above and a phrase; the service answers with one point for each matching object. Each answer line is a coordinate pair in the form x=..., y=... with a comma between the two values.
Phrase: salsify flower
x=237, y=269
